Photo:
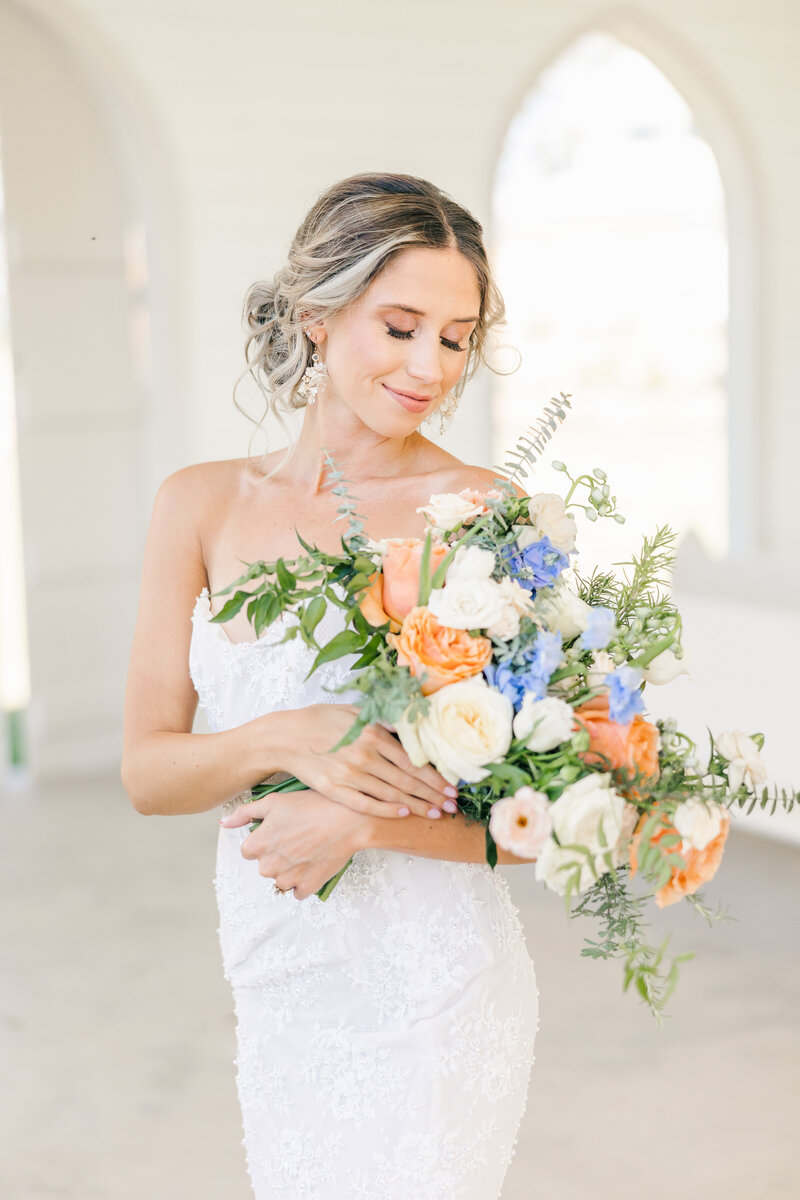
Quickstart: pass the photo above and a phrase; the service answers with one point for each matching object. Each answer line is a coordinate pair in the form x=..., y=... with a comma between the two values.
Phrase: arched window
x=611, y=244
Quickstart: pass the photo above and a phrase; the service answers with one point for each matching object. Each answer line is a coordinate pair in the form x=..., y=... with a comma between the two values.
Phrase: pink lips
x=409, y=401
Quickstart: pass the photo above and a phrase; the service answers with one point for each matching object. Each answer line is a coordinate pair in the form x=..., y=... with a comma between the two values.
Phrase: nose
x=425, y=361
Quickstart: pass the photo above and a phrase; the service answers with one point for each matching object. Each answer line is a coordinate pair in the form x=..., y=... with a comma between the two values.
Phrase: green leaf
x=285, y=577
x=346, y=642
x=312, y=615
x=230, y=608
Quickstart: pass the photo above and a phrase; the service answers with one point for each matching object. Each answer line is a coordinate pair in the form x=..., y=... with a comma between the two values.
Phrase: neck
x=357, y=451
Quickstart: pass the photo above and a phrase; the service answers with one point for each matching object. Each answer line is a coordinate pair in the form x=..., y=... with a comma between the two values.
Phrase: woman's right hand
x=371, y=775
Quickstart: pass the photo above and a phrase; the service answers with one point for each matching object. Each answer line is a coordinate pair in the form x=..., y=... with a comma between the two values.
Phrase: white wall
x=245, y=111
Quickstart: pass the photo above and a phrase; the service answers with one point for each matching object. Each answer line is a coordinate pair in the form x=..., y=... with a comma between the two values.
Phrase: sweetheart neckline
x=203, y=613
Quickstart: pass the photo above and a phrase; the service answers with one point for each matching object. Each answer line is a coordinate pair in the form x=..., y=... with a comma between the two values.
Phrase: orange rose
x=371, y=603
x=401, y=564
x=701, y=865
x=626, y=747
x=442, y=654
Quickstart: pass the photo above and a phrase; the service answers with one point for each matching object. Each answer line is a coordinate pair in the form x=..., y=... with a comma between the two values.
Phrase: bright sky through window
x=610, y=239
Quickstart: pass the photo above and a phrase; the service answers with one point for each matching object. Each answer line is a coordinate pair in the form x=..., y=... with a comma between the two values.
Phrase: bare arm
x=168, y=769
x=455, y=839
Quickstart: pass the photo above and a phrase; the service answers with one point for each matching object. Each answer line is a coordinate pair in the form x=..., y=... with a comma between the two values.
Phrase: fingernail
x=434, y=812
x=451, y=791
x=403, y=812
x=222, y=820
x=449, y=806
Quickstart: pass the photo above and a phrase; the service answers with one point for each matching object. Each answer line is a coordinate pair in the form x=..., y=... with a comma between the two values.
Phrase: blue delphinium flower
x=545, y=654
x=601, y=627
x=625, y=699
x=531, y=677
x=537, y=566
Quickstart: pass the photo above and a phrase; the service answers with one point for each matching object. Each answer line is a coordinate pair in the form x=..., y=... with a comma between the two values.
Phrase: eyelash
x=406, y=333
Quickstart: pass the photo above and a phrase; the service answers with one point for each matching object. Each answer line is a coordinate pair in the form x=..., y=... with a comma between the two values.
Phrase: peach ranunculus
x=701, y=865
x=630, y=748
x=441, y=654
x=401, y=564
x=371, y=603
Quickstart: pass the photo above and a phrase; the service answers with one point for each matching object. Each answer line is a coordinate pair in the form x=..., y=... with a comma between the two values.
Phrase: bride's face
x=393, y=355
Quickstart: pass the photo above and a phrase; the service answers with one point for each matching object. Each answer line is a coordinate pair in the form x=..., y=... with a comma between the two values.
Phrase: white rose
x=582, y=809
x=698, y=822
x=543, y=724
x=562, y=610
x=548, y=518
x=521, y=823
x=602, y=664
x=467, y=725
x=467, y=604
x=470, y=562
x=506, y=626
x=665, y=667
x=517, y=596
x=745, y=764
x=449, y=510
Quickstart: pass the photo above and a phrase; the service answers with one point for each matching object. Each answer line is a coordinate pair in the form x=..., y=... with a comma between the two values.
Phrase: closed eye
x=405, y=334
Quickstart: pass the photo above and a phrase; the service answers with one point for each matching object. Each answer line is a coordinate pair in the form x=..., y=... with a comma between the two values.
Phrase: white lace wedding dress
x=384, y=1037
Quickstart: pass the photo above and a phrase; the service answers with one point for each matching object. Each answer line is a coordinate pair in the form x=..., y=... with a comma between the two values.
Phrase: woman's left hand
x=303, y=839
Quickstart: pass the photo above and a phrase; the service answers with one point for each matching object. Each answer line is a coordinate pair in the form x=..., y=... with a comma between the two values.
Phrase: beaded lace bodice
x=385, y=1036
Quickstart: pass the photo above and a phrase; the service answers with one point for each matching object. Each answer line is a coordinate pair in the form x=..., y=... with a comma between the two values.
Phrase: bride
x=384, y=1037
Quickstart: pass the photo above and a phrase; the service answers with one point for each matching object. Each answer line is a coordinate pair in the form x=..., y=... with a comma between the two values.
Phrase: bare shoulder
x=481, y=479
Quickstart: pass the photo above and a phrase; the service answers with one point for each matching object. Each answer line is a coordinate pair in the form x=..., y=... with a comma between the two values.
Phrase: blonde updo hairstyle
x=350, y=234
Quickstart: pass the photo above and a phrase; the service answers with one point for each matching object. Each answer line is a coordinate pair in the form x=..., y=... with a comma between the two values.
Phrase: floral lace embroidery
x=385, y=1037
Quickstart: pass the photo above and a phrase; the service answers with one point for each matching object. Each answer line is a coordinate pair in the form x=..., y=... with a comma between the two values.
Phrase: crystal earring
x=312, y=379
x=445, y=412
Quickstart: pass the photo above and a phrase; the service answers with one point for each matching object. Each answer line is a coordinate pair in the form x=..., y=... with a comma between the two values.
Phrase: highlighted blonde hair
x=350, y=234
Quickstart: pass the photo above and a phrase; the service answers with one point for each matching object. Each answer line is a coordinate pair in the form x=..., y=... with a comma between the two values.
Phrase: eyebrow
x=418, y=313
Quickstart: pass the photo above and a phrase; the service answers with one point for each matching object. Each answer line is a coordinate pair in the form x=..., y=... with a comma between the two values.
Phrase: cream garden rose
x=543, y=724
x=467, y=725
x=521, y=823
x=470, y=562
x=745, y=764
x=562, y=609
x=467, y=604
x=602, y=664
x=548, y=518
x=582, y=809
x=447, y=511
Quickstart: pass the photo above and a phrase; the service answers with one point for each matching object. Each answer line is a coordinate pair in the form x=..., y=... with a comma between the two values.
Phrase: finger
x=363, y=803
x=397, y=787
x=255, y=810
x=426, y=774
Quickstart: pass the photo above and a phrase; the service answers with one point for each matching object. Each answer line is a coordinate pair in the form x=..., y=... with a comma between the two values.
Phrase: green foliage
x=529, y=447
x=646, y=968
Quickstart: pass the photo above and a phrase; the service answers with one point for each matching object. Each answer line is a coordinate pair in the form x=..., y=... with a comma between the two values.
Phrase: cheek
x=365, y=354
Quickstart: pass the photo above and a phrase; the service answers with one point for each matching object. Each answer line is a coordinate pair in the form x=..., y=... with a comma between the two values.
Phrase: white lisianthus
x=562, y=610
x=602, y=664
x=470, y=562
x=548, y=518
x=467, y=604
x=745, y=764
x=543, y=724
x=665, y=667
x=467, y=725
x=521, y=823
x=449, y=510
x=698, y=822
x=580, y=812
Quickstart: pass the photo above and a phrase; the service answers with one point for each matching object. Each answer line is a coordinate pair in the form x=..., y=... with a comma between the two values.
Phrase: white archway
x=98, y=405
x=718, y=126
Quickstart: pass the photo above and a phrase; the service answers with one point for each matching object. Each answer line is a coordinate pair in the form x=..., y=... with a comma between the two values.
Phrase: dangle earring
x=312, y=379
x=445, y=412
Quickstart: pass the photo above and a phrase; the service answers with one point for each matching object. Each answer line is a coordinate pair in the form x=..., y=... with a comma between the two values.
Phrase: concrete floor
x=117, y=1033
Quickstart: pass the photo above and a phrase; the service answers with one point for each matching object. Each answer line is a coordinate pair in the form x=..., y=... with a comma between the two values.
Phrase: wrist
x=365, y=836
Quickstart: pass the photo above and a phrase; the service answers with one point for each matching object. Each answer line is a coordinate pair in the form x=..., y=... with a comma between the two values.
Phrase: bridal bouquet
x=521, y=680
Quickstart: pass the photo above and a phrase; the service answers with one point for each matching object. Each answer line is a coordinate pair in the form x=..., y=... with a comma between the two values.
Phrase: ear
x=317, y=332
